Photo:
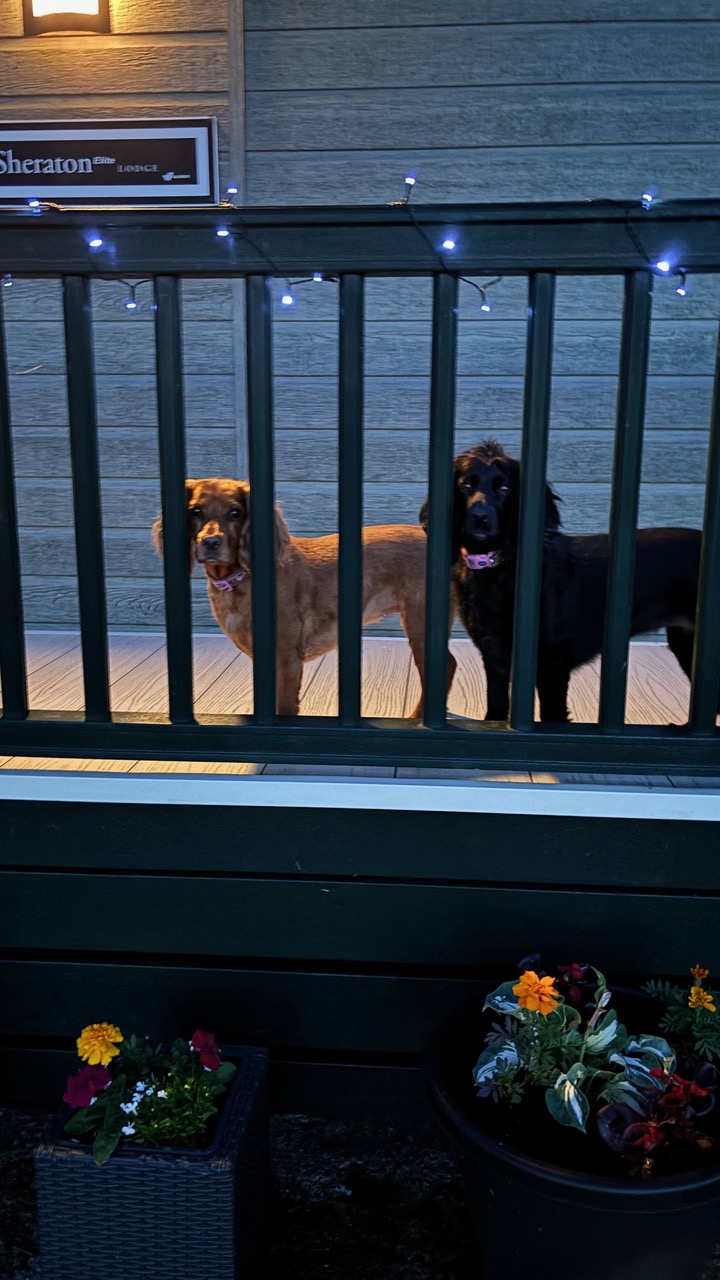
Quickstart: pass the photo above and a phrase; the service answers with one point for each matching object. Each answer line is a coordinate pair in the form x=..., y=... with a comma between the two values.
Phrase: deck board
x=657, y=694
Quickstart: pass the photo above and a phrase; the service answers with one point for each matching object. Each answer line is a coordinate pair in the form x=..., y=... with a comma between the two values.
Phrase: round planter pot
x=536, y=1217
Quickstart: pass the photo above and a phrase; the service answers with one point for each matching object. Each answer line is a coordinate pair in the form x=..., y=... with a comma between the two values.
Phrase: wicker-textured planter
x=169, y=1214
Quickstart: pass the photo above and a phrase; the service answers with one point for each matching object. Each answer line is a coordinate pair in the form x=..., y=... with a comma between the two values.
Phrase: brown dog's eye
x=196, y=511
x=233, y=514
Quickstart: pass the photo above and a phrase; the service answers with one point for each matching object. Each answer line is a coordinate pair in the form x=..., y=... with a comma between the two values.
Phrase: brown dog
x=306, y=577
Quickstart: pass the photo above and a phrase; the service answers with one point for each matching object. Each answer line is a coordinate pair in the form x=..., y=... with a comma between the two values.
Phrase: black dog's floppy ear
x=552, y=514
x=157, y=528
x=458, y=515
x=423, y=517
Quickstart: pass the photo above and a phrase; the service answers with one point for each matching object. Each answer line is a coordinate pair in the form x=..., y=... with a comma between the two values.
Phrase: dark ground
x=368, y=1201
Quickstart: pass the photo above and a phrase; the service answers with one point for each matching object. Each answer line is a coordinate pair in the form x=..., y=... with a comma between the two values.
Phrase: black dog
x=575, y=569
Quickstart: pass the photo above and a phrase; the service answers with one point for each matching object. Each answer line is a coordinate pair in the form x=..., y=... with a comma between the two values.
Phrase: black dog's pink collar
x=484, y=560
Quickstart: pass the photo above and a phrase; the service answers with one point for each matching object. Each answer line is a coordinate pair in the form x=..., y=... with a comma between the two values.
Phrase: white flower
x=128, y=1129
x=161, y=1093
x=92, y=1100
x=127, y=1107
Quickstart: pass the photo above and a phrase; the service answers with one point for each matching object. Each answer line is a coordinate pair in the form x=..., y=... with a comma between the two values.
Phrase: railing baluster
x=350, y=470
x=173, y=473
x=12, y=634
x=87, y=507
x=706, y=658
x=262, y=494
x=533, y=467
x=627, y=469
x=440, y=497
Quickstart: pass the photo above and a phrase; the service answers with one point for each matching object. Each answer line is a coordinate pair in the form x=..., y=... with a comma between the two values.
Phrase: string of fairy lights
x=667, y=266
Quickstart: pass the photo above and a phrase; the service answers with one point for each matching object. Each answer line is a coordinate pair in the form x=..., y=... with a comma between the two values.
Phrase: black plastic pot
x=538, y=1218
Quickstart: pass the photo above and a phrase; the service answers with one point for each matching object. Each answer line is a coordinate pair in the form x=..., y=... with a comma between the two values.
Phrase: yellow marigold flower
x=97, y=1044
x=699, y=974
x=700, y=999
x=538, y=995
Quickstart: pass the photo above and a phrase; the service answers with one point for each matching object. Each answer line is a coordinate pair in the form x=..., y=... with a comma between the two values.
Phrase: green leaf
x=104, y=1145
x=225, y=1072
x=566, y=1101
x=502, y=999
x=82, y=1122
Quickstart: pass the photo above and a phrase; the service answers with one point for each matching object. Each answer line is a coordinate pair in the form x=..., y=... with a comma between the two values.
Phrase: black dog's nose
x=212, y=542
x=481, y=520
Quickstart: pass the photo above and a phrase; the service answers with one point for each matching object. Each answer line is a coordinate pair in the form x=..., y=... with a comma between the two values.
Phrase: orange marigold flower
x=700, y=999
x=538, y=995
x=97, y=1044
x=699, y=974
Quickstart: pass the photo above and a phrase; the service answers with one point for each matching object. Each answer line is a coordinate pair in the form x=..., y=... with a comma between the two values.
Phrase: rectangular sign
x=114, y=162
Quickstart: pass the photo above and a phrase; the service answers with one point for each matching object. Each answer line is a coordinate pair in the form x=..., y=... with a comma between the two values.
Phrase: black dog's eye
x=468, y=484
x=196, y=511
x=503, y=489
x=233, y=514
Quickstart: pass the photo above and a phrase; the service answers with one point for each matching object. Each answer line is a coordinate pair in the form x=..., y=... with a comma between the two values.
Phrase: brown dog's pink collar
x=484, y=560
x=227, y=584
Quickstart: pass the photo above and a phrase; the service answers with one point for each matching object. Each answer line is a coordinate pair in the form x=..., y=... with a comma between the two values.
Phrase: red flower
x=81, y=1089
x=204, y=1043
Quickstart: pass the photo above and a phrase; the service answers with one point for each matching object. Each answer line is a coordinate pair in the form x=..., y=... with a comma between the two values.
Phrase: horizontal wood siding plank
x=120, y=348
x=299, y=1010
x=390, y=300
x=624, y=853
x=532, y=53
x=495, y=349
x=122, y=400
x=273, y=15
x=307, y=454
x=31, y=301
x=46, y=503
x=120, y=64
x=483, y=403
x=484, y=173
x=355, y=921
x=479, y=116
x=101, y=106
x=168, y=15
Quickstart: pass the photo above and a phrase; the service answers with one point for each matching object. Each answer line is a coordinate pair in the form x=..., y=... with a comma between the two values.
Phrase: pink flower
x=81, y=1089
x=204, y=1043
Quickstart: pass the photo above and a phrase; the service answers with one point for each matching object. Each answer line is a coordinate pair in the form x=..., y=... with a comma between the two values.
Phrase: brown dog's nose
x=212, y=542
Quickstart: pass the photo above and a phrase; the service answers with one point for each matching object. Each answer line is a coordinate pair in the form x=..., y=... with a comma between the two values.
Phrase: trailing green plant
x=589, y=1067
x=690, y=1016
x=134, y=1091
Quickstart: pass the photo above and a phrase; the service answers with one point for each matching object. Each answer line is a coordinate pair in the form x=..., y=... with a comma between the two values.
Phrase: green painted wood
x=319, y=920
x=343, y=1013
x=620, y=853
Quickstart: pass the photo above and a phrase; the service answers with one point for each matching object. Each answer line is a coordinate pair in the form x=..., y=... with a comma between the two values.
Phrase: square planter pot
x=163, y=1212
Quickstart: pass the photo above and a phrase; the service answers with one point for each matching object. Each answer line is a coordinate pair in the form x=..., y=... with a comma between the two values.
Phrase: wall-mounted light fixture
x=47, y=16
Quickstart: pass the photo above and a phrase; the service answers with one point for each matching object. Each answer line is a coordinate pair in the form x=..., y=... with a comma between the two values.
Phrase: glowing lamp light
x=681, y=290
x=34, y=204
x=232, y=191
x=131, y=304
x=409, y=180
x=45, y=17
x=317, y=277
x=95, y=243
x=7, y=281
x=486, y=306
x=287, y=298
x=222, y=232
x=663, y=265
x=448, y=244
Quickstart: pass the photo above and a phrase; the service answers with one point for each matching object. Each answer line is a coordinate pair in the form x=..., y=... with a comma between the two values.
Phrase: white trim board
x=404, y=795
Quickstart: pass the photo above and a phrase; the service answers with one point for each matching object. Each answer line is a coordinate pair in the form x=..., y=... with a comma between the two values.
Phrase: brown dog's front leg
x=289, y=677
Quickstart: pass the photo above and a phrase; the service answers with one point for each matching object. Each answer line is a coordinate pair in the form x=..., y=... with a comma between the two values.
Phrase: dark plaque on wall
x=109, y=162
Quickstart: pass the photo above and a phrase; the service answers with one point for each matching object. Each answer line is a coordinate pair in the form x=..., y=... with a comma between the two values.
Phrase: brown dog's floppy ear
x=157, y=529
x=282, y=535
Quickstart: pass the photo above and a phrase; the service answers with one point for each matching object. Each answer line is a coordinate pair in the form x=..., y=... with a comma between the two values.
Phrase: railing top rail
x=595, y=236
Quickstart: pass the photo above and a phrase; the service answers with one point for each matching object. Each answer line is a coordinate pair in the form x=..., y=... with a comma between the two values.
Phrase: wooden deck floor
x=657, y=694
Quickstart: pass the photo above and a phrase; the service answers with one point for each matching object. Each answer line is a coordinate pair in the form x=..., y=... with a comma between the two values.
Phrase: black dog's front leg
x=498, y=691
x=552, y=687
